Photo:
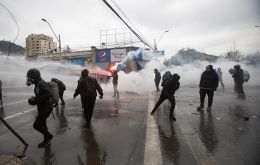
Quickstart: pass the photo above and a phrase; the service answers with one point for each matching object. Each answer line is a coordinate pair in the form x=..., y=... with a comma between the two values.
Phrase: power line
x=137, y=35
x=18, y=29
x=126, y=17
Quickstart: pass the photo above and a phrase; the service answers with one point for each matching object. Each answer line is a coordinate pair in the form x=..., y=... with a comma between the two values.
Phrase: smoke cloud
x=13, y=71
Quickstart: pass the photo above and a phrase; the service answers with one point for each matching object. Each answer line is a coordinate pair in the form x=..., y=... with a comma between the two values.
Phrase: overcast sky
x=210, y=26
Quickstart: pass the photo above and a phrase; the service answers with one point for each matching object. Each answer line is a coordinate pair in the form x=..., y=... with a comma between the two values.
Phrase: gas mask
x=29, y=81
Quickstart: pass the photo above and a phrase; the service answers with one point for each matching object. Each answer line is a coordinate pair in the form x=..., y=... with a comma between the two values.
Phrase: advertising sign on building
x=118, y=55
x=77, y=60
x=103, y=55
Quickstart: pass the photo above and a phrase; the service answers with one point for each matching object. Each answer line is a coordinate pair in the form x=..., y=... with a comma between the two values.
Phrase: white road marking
x=26, y=111
x=15, y=102
x=152, y=155
x=20, y=113
x=192, y=138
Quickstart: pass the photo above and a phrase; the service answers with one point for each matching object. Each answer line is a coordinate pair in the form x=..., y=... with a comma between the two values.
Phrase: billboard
x=77, y=60
x=103, y=55
x=118, y=55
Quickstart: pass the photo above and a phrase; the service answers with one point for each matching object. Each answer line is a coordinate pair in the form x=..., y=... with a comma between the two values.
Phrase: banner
x=77, y=60
x=103, y=55
x=118, y=55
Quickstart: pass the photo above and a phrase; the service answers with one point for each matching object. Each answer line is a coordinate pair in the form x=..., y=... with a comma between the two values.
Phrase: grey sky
x=209, y=26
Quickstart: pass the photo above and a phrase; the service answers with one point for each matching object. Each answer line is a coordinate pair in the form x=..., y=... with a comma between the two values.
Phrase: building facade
x=39, y=44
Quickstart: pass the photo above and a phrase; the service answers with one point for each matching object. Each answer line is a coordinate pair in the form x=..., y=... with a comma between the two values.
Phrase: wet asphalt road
x=119, y=127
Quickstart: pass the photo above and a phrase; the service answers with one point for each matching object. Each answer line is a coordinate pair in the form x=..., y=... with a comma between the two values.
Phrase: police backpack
x=166, y=77
x=246, y=76
x=54, y=90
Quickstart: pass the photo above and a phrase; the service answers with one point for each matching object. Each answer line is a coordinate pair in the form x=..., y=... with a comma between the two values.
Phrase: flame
x=99, y=71
x=113, y=68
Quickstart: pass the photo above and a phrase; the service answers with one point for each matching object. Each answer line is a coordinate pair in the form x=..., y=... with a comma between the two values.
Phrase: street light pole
x=156, y=43
x=53, y=33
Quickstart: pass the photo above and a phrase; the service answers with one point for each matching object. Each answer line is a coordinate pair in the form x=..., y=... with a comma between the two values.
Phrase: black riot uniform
x=42, y=99
x=87, y=88
x=208, y=84
x=168, y=92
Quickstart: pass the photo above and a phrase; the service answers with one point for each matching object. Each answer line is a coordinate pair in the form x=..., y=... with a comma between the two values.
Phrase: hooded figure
x=208, y=84
x=42, y=99
x=87, y=88
x=239, y=81
x=168, y=92
x=157, y=79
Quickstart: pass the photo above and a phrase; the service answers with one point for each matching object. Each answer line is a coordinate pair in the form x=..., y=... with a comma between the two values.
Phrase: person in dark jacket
x=168, y=93
x=115, y=83
x=239, y=81
x=219, y=72
x=42, y=99
x=1, y=96
x=87, y=88
x=208, y=84
x=62, y=88
x=157, y=79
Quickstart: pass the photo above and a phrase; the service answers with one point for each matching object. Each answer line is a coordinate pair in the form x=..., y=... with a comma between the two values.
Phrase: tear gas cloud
x=190, y=73
x=13, y=71
x=14, y=68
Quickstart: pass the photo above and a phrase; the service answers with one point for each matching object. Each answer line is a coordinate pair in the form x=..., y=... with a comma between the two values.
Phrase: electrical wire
x=126, y=17
x=18, y=29
x=137, y=35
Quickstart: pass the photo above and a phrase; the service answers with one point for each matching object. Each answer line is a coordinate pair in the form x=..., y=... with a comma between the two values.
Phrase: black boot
x=44, y=143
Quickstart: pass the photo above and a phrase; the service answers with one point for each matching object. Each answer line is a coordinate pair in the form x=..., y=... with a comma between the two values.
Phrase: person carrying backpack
x=42, y=99
x=62, y=88
x=168, y=92
x=166, y=76
x=239, y=81
x=87, y=88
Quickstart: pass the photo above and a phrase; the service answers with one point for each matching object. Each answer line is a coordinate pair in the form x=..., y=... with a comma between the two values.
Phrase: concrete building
x=39, y=44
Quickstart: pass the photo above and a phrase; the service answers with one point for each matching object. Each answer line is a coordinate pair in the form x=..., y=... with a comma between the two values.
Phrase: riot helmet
x=33, y=76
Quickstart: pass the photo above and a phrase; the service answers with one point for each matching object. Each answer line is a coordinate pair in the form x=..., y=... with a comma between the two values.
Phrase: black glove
x=101, y=96
x=32, y=100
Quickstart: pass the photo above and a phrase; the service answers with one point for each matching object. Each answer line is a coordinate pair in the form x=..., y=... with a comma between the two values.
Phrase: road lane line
x=192, y=138
x=26, y=111
x=20, y=113
x=152, y=155
x=15, y=102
